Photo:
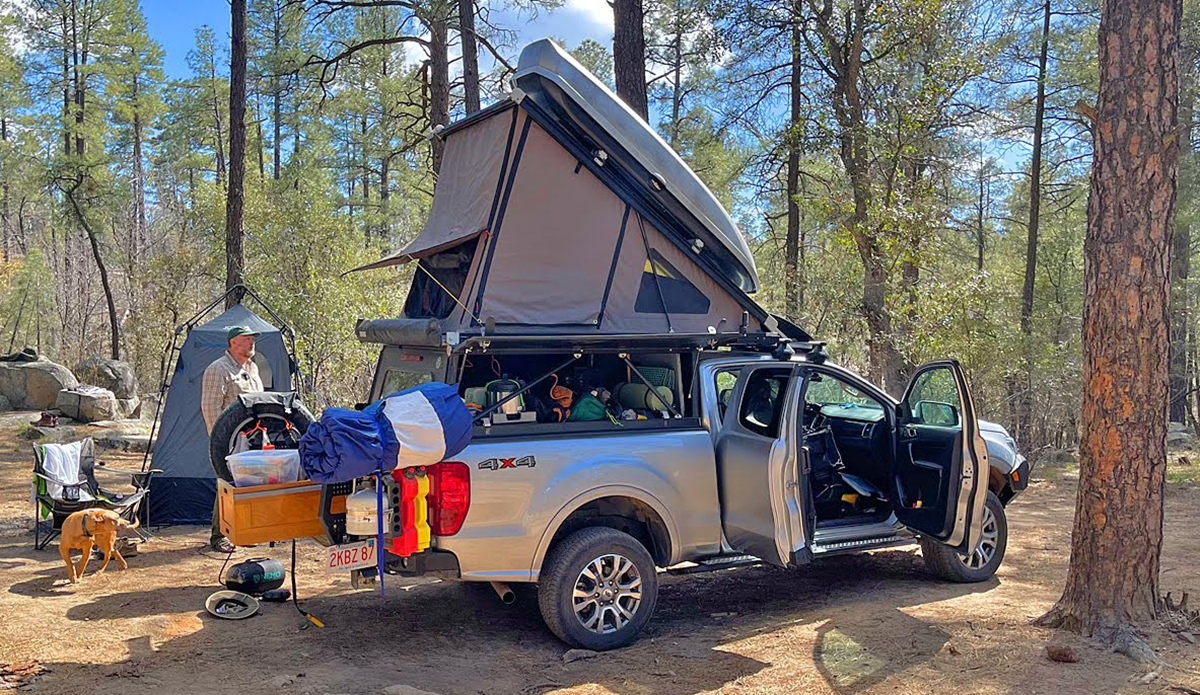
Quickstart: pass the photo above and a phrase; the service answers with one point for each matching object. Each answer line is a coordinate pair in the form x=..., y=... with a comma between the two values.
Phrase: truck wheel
x=983, y=562
x=598, y=589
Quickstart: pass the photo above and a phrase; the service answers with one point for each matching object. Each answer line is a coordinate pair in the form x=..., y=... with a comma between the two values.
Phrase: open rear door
x=940, y=476
x=758, y=464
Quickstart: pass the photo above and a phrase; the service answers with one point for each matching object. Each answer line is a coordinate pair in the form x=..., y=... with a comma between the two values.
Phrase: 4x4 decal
x=498, y=463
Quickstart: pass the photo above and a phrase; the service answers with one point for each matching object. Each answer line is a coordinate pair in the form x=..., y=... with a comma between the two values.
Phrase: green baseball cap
x=235, y=331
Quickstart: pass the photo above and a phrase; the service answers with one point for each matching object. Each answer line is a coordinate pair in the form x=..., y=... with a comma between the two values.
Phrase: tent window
x=426, y=300
x=680, y=295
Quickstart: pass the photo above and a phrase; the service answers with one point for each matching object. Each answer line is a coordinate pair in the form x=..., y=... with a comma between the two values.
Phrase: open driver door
x=941, y=468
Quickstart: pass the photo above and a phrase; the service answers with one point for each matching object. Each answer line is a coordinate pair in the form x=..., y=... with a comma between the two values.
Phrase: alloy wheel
x=607, y=593
x=983, y=553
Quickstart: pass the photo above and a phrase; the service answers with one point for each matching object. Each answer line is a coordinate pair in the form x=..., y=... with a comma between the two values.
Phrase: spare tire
x=240, y=417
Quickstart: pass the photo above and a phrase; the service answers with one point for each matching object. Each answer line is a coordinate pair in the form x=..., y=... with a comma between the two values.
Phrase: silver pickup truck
x=778, y=457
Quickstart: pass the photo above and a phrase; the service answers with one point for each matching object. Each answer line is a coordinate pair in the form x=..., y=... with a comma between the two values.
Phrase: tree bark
x=235, y=261
x=1112, y=581
x=793, y=273
x=629, y=54
x=439, y=76
x=1025, y=412
x=470, y=55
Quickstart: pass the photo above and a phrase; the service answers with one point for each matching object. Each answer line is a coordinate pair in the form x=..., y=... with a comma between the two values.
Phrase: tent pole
x=650, y=386
x=654, y=268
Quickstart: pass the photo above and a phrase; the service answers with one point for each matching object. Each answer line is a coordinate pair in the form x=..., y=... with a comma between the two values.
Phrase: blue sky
x=173, y=25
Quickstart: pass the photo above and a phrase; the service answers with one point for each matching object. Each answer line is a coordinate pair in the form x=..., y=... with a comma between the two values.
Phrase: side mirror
x=936, y=413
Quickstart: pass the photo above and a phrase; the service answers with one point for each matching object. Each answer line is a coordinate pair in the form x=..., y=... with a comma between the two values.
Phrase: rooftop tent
x=185, y=490
x=559, y=210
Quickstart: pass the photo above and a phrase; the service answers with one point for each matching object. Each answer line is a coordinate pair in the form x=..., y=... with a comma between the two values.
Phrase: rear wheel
x=598, y=589
x=981, y=563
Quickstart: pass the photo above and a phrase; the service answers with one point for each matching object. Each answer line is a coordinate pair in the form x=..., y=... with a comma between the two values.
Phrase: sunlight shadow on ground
x=853, y=654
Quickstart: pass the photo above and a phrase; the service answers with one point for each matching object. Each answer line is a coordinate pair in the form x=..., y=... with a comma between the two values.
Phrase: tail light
x=450, y=497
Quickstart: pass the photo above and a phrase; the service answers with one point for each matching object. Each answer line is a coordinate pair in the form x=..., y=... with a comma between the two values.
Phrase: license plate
x=351, y=556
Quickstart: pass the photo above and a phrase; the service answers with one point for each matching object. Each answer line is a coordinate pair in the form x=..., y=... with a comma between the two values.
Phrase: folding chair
x=64, y=482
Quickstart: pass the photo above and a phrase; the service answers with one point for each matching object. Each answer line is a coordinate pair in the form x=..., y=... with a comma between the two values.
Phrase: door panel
x=940, y=477
x=757, y=464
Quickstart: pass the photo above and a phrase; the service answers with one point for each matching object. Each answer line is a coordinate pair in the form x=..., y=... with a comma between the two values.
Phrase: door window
x=725, y=380
x=934, y=400
x=762, y=401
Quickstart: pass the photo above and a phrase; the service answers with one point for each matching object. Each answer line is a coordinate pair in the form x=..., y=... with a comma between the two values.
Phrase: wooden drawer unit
x=280, y=512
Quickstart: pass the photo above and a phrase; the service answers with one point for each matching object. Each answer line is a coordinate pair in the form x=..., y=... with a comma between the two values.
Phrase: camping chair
x=64, y=482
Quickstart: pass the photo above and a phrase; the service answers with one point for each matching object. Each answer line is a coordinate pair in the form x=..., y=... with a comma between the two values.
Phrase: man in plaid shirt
x=231, y=375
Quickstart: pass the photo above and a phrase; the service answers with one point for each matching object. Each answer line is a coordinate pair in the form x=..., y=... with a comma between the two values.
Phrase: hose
x=295, y=596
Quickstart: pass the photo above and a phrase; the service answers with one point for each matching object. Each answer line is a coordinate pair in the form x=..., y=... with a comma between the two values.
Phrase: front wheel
x=598, y=589
x=981, y=563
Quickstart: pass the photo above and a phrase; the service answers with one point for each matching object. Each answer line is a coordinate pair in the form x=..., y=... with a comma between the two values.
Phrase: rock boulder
x=114, y=375
x=1180, y=436
x=90, y=405
x=34, y=385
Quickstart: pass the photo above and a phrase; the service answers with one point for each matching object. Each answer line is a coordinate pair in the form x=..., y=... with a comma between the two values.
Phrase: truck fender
x=595, y=494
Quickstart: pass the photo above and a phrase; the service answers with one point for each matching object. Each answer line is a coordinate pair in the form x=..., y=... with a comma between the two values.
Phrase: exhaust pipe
x=505, y=592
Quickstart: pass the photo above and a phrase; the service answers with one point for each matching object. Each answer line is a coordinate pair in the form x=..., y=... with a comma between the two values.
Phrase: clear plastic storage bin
x=251, y=468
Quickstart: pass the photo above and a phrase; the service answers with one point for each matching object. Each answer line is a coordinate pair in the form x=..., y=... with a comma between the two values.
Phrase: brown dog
x=87, y=528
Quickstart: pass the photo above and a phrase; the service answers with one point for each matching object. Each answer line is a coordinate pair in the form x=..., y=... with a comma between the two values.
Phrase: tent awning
x=422, y=246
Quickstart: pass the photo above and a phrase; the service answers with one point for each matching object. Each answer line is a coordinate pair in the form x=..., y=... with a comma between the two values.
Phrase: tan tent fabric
x=466, y=187
x=620, y=315
x=552, y=250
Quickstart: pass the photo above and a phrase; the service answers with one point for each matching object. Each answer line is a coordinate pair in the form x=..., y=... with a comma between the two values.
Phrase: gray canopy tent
x=185, y=490
x=558, y=210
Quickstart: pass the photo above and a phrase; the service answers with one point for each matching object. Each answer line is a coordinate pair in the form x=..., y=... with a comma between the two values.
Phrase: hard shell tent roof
x=559, y=211
x=185, y=490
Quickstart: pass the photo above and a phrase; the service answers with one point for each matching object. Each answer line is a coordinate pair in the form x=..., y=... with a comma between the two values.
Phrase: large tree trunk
x=439, y=76
x=470, y=55
x=629, y=54
x=235, y=261
x=1025, y=411
x=793, y=273
x=1113, y=577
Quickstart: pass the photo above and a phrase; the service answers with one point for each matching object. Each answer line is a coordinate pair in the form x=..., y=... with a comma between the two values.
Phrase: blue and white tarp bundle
x=418, y=426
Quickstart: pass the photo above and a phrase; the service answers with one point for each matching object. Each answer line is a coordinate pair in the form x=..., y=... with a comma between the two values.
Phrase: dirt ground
x=875, y=623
